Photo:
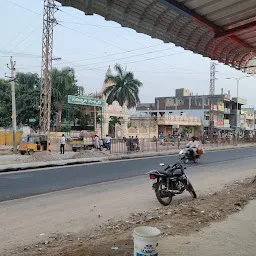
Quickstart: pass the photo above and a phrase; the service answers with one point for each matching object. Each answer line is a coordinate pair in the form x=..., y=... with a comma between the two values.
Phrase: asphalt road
x=18, y=185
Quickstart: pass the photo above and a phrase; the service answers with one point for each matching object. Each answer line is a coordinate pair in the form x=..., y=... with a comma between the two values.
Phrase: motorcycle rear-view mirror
x=162, y=164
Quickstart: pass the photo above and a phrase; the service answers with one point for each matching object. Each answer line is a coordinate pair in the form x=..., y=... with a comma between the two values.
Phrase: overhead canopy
x=224, y=30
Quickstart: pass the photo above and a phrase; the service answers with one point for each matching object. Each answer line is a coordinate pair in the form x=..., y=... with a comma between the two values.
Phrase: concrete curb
x=37, y=165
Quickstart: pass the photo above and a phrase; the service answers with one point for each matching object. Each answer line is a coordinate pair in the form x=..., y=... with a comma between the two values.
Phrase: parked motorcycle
x=170, y=182
x=186, y=156
x=135, y=147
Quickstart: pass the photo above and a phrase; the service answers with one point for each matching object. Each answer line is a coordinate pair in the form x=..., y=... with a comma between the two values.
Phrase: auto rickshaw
x=34, y=143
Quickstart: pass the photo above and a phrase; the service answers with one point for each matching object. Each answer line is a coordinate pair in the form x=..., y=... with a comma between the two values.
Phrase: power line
x=111, y=44
x=20, y=53
x=74, y=16
x=26, y=47
x=16, y=36
x=25, y=8
x=8, y=56
x=115, y=54
x=78, y=31
x=95, y=38
x=127, y=51
x=24, y=39
x=85, y=24
x=127, y=57
x=152, y=58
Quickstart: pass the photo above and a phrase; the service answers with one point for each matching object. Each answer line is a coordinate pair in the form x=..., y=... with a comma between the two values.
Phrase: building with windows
x=184, y=103
x=247, y=119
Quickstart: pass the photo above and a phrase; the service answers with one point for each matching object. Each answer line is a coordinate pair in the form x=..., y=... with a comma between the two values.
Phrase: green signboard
x=32, y=120
x=81, y=100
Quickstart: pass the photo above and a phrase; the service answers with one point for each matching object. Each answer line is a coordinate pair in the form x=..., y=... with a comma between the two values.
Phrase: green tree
x=125, y=88
x=112, y=124
x=27, y=97
x=114, y=120
x=84, y=121
x=184, y=131
x=5, y=104
x=64, y=83
x=75, y=113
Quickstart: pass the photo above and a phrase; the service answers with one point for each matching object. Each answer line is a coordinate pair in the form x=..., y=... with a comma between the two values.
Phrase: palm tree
x=125, y=88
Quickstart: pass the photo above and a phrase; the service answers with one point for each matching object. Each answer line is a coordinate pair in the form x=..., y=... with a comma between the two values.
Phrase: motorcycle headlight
x=181, y=152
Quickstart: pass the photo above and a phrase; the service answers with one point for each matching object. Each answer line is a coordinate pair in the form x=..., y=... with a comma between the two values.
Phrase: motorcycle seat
x=167, y=173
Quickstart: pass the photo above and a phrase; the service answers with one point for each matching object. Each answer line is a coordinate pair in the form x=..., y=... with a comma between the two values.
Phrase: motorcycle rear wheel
x=162, y=196
x=196, y=160
x=185, y=160
x=191, y=190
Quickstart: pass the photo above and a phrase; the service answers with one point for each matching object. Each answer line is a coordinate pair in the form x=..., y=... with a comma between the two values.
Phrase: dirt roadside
x=183, y=218
x=52, y=221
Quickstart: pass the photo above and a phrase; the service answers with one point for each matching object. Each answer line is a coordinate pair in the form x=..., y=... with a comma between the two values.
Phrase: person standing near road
x=128, y=144
x=179, y=139
x=96, y=142
x=62, y=144
x=161, y=137
x=107, y=141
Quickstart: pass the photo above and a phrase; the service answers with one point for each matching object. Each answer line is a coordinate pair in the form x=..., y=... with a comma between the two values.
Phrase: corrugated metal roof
x=224, y=30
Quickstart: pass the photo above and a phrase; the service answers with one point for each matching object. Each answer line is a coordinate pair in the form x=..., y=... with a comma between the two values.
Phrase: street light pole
x=149, y=113
x=237, y=109
x=237, y=104
x=14, y=122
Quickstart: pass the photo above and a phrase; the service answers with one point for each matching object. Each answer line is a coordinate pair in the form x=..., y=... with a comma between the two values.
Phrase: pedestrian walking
x=62, y=144
x=107, y=141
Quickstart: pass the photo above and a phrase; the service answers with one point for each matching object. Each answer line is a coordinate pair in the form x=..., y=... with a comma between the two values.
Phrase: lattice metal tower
x=212, y=93
x=46, y=70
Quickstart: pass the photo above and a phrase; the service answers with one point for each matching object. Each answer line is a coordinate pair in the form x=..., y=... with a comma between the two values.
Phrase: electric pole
x=14, y=122
x=46, y=70
x=212, y=93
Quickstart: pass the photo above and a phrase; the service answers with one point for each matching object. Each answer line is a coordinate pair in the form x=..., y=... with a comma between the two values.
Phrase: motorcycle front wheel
x=164, y=197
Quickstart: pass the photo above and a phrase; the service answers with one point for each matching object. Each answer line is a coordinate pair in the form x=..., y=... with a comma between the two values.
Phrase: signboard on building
x=86, y=101
x=226, y=123
x=214, y=107
x=240, y=101
x=221, y=106
x=219, y=123
x=244, y=112
x=227, y=97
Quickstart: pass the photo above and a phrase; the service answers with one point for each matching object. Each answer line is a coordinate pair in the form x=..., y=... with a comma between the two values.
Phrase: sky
x=90, y=44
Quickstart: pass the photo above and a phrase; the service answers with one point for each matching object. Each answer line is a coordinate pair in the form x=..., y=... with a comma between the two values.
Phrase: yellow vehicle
x=34, y=143
x=83, y=143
